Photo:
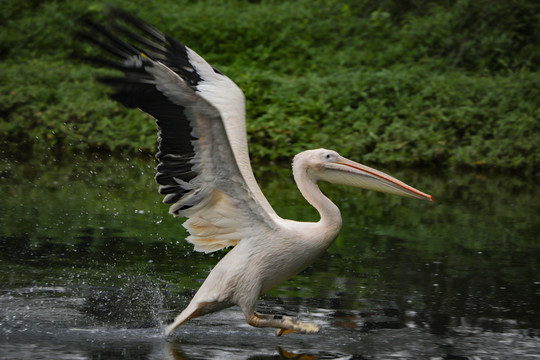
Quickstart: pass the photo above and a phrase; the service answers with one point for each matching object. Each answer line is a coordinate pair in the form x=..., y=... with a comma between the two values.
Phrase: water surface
x=91, y=266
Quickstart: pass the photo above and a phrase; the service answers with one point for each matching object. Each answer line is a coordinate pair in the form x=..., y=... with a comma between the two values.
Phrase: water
x=91, y=266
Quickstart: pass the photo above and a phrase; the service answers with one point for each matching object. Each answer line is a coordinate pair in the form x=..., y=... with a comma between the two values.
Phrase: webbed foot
x=298, y=327
x=284, y=324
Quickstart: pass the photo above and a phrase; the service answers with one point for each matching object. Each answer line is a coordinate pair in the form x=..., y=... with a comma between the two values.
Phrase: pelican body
x=205, y=174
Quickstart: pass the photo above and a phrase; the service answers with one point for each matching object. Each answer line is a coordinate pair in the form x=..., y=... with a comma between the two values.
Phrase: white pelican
x=205, y=173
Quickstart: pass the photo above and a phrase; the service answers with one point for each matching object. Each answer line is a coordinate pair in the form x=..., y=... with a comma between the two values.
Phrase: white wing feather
x=222, y=208
x=229, y=99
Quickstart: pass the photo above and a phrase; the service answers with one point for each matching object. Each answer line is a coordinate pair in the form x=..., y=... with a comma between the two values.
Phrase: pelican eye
x=328, y=157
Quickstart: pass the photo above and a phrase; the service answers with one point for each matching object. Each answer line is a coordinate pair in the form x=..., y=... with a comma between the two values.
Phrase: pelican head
x=328, y=165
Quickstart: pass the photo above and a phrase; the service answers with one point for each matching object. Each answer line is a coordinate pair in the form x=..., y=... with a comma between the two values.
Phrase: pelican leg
x=189, y=313
x=284, y=324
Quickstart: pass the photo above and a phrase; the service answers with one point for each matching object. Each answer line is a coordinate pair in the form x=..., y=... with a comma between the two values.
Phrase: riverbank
x=430, y=84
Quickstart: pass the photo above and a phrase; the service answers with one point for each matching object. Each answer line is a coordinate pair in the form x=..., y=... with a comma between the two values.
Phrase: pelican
x=205, y=174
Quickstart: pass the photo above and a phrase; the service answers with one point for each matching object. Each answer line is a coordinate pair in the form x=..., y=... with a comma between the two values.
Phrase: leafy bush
x=396, y=82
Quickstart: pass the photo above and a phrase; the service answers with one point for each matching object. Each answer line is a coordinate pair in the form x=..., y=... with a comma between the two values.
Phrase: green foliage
x=392, y=82
x=477, y=35
x=50, y=105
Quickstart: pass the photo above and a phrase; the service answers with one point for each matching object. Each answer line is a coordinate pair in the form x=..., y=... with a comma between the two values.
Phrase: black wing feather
x=137, y=89
x=175, y=56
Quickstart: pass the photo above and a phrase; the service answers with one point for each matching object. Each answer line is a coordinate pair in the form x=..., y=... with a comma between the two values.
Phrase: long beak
x=347, y=172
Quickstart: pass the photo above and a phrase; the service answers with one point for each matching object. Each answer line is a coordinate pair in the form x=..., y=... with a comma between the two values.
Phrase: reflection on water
x=91, y=266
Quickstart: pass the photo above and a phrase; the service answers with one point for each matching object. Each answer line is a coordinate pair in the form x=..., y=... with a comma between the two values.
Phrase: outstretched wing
x=204, y=169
